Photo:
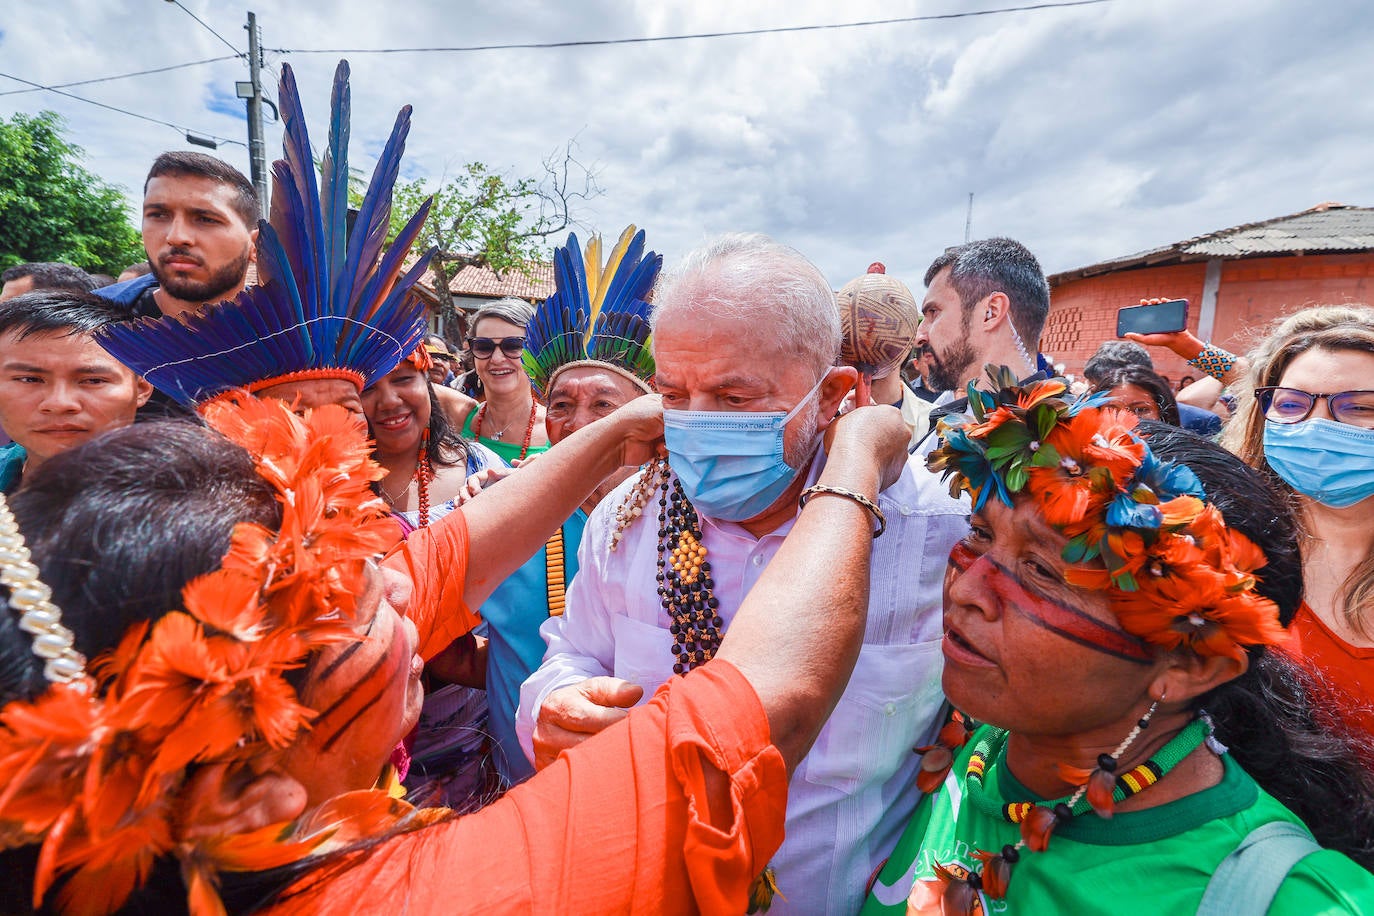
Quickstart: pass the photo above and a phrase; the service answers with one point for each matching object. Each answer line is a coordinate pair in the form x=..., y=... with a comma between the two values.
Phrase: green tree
x=52, y=208
x=485, y=219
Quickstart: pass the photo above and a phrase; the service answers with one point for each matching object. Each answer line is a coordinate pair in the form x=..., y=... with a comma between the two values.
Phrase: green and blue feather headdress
x=597, y=316
x=329, y=303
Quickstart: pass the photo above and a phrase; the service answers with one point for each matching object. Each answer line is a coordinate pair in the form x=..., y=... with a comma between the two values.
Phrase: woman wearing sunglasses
x=1310, y=427
x=511, y=421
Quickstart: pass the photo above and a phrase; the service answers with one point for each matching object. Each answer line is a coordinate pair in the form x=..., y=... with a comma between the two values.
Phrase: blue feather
x=334, y=187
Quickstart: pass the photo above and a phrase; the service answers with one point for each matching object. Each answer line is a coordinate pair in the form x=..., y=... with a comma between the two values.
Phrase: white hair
x=510, y=310
x=751, y=277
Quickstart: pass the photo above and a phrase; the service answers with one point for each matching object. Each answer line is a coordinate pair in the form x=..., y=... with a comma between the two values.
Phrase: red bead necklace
x=529, y=427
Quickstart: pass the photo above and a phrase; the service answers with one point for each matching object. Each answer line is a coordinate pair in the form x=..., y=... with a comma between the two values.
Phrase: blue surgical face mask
x=730, y=464
x=1330, y=462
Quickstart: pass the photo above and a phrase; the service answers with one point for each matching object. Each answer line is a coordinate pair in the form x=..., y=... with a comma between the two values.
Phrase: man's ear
x=839, y=381
x=225, y=799
x=993, y=310
x=1189, y=675
x=253, y=245
x=143, y=391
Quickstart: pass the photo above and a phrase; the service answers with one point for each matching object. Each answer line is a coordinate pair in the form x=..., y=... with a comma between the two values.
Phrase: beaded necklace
x=529, y=427
x=1039, y=819
x=685, y=587
x=423, y=474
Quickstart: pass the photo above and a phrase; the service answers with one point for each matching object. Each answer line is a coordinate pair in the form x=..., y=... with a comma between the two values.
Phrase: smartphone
x=1152, y=319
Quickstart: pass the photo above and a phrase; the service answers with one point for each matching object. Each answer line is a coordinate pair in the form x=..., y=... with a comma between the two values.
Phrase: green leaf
x=1047, y=456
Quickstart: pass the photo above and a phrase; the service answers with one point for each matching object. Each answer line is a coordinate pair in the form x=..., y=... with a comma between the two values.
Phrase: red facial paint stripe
x=1053, y=615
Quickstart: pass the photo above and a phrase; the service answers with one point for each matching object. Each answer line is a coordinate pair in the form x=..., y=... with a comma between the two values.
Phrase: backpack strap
x=1247, y=880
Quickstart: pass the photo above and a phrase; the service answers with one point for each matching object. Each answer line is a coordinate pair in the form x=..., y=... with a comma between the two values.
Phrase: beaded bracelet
x=1215, y=361
x=859, y=498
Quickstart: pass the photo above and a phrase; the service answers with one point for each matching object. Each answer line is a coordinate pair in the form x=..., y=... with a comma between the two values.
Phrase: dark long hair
x=446, y=445
x=1269, y=716
x=1148, y=381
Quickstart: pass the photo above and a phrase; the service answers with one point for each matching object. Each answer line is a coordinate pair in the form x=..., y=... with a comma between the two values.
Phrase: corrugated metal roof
x=1324, y=228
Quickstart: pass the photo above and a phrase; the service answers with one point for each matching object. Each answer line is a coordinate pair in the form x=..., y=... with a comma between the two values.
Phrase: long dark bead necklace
x=685, y=587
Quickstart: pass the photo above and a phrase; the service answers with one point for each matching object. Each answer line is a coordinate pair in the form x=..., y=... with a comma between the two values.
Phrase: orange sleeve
x=436, y=560
x=617, y=825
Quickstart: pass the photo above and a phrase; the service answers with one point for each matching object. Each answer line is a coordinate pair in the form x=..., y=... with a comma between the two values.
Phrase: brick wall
x=1083, y=312
x=1253, y=292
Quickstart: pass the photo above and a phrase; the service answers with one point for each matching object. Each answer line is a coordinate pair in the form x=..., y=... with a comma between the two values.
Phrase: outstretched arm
x=456, y=563
x=797, y=634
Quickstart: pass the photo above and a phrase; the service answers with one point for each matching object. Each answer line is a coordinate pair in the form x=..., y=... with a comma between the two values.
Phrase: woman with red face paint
x=1123, y=729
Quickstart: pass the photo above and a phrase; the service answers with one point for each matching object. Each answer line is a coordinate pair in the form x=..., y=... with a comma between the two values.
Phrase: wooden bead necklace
x=685, y=587
x=529, y=427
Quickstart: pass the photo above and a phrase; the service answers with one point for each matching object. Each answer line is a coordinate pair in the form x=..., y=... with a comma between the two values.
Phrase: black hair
x=1152, y=383
x=51, y=275
x=141, y=269
x=48, y=310
x=120, y=524
x=180, y=162
x=446, y=444
x=1269, y=716
x=978, y=269
x=1116, y=354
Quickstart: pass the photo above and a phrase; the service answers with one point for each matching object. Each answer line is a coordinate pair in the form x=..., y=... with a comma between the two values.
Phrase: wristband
x=1215, y=361
x=859, y=498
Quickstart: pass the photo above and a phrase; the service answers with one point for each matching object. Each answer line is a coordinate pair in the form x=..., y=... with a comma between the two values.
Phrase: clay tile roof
x=1326, y=227
x=484, y=282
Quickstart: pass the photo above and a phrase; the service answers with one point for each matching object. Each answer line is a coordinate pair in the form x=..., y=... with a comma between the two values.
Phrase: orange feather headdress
x=1138, y=527
x=95, y=765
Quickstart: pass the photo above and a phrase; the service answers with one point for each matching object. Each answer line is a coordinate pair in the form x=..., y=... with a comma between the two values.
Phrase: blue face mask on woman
x=730, y=464
x=1330, y=462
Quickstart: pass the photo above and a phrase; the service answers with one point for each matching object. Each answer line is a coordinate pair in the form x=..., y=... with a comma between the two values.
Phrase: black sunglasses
x=484, y=347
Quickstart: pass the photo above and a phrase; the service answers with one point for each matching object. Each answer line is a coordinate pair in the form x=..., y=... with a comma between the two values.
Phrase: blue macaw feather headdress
x=597, y=316
x=329, y=304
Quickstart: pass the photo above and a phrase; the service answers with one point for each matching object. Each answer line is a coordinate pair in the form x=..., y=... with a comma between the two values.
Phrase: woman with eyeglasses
x=511, y=421
x=1309, y=424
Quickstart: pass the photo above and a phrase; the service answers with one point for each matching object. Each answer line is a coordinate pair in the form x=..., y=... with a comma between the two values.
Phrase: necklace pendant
x=496, y=436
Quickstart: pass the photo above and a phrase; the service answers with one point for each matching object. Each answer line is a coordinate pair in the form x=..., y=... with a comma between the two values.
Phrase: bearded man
x=745, y=337
x=200, y=223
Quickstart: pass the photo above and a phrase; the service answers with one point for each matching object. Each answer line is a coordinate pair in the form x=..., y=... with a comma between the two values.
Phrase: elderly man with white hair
x=746, y=337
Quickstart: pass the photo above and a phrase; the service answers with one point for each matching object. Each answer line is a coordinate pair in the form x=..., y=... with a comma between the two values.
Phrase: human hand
x=874, y=436
x=640, y=424
x=1183, y=342
x=571, y=715
x=477, y=482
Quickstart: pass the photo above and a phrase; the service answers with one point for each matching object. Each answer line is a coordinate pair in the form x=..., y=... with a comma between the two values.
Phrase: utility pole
x=968, y=220
x=257, y=149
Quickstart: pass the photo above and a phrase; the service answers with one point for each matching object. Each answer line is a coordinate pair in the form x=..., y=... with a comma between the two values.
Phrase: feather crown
x=329, y=303
x=97, y=765
x=1139, y=527
x=597, y=316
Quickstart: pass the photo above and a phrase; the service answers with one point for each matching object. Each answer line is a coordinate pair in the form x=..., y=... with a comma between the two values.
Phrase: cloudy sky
x=1086, y=132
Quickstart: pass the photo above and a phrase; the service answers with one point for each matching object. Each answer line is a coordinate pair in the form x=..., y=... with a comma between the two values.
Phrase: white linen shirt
x=855, y=791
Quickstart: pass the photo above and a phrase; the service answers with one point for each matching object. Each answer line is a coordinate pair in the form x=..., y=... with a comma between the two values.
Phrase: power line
x=656, y=38
x=123, y=111
x=237, y=52
x=121, y=76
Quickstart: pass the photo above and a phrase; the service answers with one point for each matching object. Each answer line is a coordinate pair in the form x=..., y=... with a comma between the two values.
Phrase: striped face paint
x=1049, y=613
x=368, y=696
